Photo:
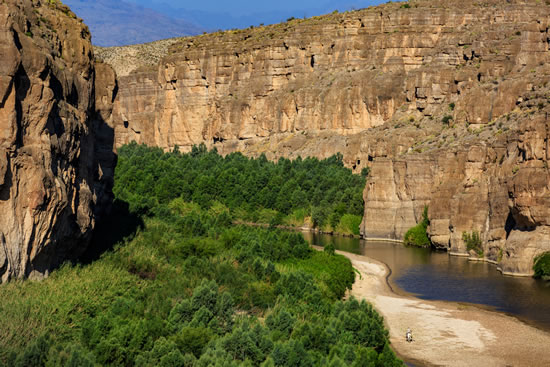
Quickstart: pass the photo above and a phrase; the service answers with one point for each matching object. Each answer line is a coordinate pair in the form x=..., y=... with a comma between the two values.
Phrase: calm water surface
x=437, y=276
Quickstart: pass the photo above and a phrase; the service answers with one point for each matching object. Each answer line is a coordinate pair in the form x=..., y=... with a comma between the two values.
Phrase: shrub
x=329, y=249
x=542, y=266
x=473, y=242
x=446, y=119
x=417, y=235
x=349, y=224
x=277, y=220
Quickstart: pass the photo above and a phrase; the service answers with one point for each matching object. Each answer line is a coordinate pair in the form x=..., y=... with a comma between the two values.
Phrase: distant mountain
x=118, y=23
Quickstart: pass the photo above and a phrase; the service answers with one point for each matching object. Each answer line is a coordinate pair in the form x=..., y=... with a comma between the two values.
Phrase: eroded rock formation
x=56, y=149
x=436, y=96
x=493, y=182
x=342, y=73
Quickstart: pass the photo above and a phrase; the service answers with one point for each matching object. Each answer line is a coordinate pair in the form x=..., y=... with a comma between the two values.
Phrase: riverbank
x=448, y=333
x=308, y=229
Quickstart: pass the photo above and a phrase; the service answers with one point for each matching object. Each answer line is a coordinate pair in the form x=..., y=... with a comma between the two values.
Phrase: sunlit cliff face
x=52, y=175
x=437, y=98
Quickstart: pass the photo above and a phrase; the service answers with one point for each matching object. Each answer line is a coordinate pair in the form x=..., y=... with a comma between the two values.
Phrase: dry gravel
x=126, y=59
x=449, y=333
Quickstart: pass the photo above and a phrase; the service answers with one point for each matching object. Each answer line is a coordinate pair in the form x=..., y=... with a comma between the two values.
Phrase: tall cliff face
x=492, y=181
x=342, y=73
x=56, y=155
x=444, y=101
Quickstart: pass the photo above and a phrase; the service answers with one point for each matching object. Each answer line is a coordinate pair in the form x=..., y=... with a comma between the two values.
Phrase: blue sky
x=244, y=7
x=219, y=14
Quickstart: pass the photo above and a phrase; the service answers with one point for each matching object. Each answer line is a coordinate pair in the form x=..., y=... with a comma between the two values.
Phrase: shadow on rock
x=112, y=229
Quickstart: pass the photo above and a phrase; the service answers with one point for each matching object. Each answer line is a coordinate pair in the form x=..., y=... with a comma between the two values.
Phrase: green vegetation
x=473, y=242
x=188, y=287
x=417, y=235
x=329, y=249
x=447, y=119
x=365, y=171
x=308, y=191
x=349, y=223
x=542, y=266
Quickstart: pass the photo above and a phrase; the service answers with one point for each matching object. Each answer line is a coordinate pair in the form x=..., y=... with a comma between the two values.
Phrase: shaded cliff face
x=56, y=154
x=438, y=99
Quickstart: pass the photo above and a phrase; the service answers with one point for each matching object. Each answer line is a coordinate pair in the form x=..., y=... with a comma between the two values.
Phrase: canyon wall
x=496, y=183
x=445, y=101
x=56, y=148
x=342, y=73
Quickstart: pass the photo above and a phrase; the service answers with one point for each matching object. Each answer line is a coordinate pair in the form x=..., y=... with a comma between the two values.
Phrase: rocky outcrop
x=443, y=100
x=56, y=156
x=494, y=182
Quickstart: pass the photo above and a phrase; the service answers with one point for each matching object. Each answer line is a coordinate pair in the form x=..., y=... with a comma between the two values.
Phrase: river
x=435, y=275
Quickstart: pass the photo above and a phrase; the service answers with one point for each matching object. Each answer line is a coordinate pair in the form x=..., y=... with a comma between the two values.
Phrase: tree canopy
x=254, y=189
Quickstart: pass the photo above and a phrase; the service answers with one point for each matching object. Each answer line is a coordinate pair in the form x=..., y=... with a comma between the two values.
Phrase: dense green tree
x=191, y=288
x=322, y=188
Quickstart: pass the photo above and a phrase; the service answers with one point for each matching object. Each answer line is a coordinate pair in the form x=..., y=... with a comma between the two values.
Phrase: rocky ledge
x=56, y=144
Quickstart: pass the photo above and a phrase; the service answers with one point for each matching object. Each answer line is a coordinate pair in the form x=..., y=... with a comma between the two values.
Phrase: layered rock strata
x=56, y=149
x=342, y=73
x=435, y=96
x=495, y=181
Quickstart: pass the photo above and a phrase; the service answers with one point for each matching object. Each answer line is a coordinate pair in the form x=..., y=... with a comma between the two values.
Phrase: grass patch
x=349, y=224
x=60, y=304
x=298, y=218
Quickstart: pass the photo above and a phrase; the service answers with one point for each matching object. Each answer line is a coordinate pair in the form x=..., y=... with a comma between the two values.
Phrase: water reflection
x=438, y=276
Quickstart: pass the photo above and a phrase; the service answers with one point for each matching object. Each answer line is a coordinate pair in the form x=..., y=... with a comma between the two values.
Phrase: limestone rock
x=342, y=73
x=446, y=101
x=51, y=175
x=497, y=184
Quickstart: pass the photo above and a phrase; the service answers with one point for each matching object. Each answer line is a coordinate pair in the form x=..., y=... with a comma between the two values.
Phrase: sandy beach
x=448, y=333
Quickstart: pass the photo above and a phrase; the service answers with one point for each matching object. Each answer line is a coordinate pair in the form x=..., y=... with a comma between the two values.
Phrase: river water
x=435, y=275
